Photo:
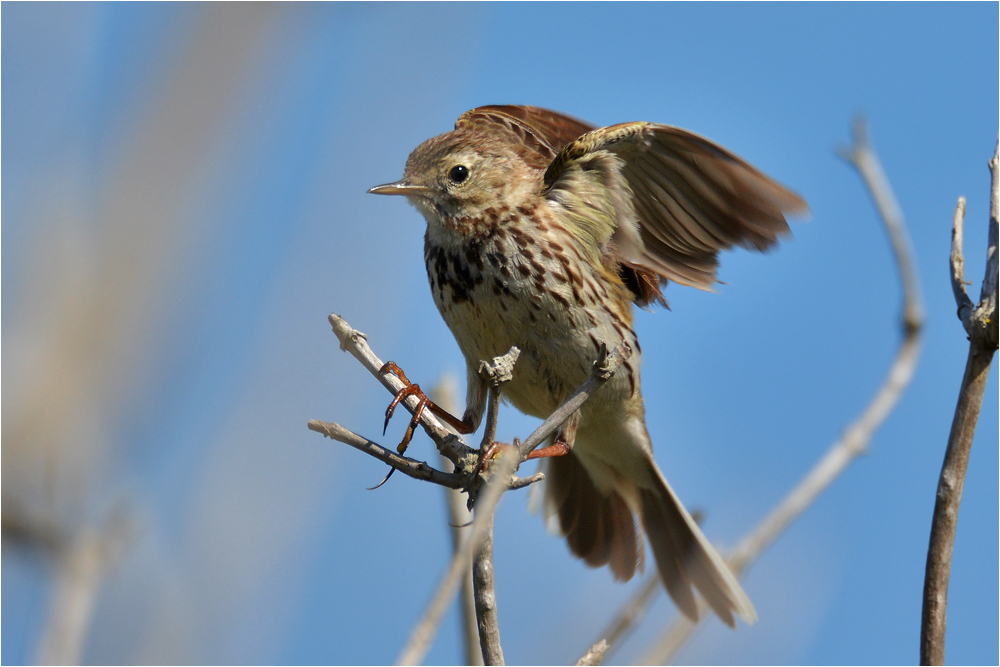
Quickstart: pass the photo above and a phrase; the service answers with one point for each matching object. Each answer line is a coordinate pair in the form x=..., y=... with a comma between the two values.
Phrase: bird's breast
x=525, y=287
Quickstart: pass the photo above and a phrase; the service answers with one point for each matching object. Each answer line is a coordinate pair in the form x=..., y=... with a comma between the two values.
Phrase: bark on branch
x=980, y=322
x=460, y=518
x=483, y=483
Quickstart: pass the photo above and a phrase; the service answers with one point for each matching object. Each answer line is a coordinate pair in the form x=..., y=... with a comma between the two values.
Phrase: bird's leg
x=486, y=456
x=410, y=389
x=563, y=442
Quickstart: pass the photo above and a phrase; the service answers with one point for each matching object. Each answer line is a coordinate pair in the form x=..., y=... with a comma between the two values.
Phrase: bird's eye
x=458, y=173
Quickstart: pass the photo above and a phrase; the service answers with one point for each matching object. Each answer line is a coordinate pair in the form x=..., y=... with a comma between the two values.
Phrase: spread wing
x=543, y=132
x=690, y=198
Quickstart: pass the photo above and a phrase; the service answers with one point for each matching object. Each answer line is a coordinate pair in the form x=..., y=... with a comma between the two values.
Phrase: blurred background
x=183, y=203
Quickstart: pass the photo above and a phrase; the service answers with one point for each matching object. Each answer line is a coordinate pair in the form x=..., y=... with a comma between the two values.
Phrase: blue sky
x=257, y=541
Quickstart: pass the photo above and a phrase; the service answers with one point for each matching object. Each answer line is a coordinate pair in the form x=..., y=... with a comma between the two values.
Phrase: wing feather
x=692, y=198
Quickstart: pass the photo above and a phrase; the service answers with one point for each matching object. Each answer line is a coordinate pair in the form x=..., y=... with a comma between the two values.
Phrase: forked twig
x=980, y=322
x=449, y=444
x=423, y=634
x=468, y=465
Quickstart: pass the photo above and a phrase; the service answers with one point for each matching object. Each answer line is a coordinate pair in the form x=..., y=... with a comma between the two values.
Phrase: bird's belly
x=559, y=343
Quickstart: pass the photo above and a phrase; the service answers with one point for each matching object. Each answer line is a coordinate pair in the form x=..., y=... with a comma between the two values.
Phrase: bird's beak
x=398, y=188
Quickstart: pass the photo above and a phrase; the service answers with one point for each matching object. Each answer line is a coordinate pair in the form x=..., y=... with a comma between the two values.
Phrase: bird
x=544, y=232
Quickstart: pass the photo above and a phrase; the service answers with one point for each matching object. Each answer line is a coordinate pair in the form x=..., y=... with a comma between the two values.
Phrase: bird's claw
x=384, y=479
x=409, y=389
x=487, y=456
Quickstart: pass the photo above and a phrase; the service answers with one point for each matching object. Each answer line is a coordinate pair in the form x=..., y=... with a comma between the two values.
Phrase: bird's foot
x=425, y=403
x=487, y=455
x=562, y=444
x=556, y=449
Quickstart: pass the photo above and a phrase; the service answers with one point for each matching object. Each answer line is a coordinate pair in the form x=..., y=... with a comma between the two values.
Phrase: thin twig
x=980, y=323
x=407, y=466
x=856, y=437
x=423, y=634
x=988, y=294
x=521, y=482
x=484, y=586
x=497, y=373
x=864, y=159
x=594, y=655
x=449, y=444
x=630, y=614
x=957, y=263
x=459, y=518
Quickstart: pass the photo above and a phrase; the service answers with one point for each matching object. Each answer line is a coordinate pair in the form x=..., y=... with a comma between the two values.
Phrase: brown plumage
x=542, y=232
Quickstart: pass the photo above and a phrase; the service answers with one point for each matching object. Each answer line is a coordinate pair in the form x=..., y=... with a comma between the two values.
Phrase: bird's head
x=466, y=178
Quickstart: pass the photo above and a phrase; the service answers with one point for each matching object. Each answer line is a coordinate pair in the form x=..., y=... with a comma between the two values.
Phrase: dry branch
x=467, y=477
x=423, y=634
x=459, y=518
x=486, y=600
x=604, y=369
x=594, y=655
x=82, y=563
x=630, y=614
x=980, y=322
x=483, y=583
x=407, y=466
x=449, y=444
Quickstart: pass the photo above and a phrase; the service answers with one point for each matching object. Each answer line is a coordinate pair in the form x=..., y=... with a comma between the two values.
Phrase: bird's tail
x=685, y=557
x=600, y=528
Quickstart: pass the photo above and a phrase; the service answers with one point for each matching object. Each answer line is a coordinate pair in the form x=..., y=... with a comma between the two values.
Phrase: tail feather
x=698, y=559
x=668, y=545
x=626, y=545
x=599, y=528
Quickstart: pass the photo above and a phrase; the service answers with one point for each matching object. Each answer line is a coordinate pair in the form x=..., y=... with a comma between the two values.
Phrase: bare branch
x=486, y=599
x=981, y=324
x=467, y=464
x=630, y=615
x=857, y=436
x=81, y=566
x=459, y=517
x=965, y=305
x=863, y=158
x=423, y=634
x=988, y=294
x=449, y=444
x=498, y=373
x=594, y=655
x=521, y=482
x=412, y=467
x=483, y=582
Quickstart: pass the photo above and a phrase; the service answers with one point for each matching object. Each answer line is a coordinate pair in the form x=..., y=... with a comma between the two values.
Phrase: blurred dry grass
x=77, y=347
